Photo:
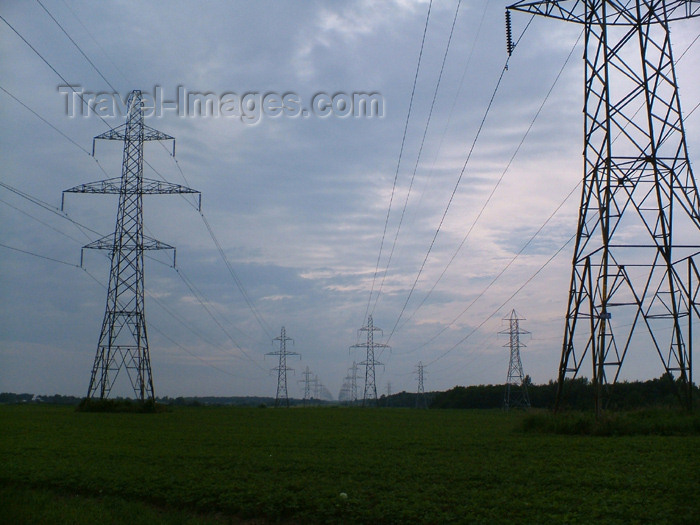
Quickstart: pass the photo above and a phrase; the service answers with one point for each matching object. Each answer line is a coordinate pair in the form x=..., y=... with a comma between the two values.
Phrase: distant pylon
x=348, y=392
x=421, y=402
x=317, y=387
x=388, y=393
x=344, y=394
x=636, y=266
x=123, y=341
x=370, y=393
x=516, y=387
x=353, y=383
x=306, y=379
x=281, y=396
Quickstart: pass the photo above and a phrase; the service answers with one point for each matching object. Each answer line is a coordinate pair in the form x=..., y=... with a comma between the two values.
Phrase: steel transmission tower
x=634, y=283
x=348, y=392
x=282, y=367
x=370, y=363
x=421, y=402
x=516, y=388
x=307, y=384
x=123, y=342
x=353, y=383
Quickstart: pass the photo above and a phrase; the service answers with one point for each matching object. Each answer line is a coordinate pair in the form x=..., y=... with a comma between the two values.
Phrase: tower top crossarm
x=129, y=132
x=514, y=320
x=613, y=12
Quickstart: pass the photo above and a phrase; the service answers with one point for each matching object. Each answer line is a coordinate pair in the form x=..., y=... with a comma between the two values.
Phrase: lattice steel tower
x=123, y=342
x=282, y=368
x=634, y=284
x=370, y=393
x=516, y=388
x=307, y=384
x=421, y=402
x=348, y=392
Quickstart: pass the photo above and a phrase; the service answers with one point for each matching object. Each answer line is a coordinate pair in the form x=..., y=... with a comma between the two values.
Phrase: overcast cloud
x=299, y=203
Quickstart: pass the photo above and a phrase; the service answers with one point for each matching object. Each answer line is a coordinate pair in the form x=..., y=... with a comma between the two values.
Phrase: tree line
x=577, y=394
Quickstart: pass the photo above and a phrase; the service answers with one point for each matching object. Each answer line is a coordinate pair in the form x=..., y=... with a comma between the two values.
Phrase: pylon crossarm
x=154, y=244
x=107, y=243
x=150, y=133
x=616, y=12
x=117, y=133
x=114, y=185
x=120, y=133
x=110, y=186
x=151, y=186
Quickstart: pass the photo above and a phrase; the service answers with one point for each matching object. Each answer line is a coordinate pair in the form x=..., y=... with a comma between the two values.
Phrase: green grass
x=234, y=465
x=657, y=421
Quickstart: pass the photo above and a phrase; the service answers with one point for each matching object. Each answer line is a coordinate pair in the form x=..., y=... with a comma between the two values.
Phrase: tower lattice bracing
x=307, y=385
x=123, y=342
x=281, y=397
x=634, y=284
x=370, y=363
x=421, y=402
x=516, y=387
x=348, y=392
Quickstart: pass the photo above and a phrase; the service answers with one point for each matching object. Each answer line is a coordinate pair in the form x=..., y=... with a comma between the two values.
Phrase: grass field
x=250, y=465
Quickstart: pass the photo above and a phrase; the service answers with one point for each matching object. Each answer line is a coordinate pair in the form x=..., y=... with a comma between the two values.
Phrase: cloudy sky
x=298, y=201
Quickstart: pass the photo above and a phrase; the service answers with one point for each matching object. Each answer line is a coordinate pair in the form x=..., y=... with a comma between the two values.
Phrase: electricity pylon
x=516, y=388
x=370, y=393
x=634, y=283
x=123, y=339
x=421, y=402
x=307, y=384
x=281, y=396
x=353, y=383
x=344, y=394
x=348, y=392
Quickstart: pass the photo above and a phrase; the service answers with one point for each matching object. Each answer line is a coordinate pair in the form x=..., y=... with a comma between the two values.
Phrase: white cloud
x=298, y=204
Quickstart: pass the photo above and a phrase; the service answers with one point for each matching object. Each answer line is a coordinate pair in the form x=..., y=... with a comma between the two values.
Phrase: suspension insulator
x=509, y=35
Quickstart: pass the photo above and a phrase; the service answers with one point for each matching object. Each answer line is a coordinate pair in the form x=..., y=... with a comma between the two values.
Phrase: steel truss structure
x=421, y=402
x=634, y=284
x=282, y=368
x=307, y=384
x=516, y=395
x=123, y=342
x=370, y=392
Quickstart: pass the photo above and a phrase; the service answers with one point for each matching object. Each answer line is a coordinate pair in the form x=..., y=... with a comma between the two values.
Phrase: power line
x=449, y=202
x=39, y=220
x=94, y=40
x=82, y=227
x=454, y=190
x=199, y=296
x=51, y=67
x=534, y=235
x=48, y=207
x=166, y=336
x=54, y=128
x=209, y=229
x=45, y=121
x=77, y=46
x=233, y=274
x=398, y=163
x=420, y=151
x=38, y=255
x=504, y=269
x=457, y=96
x=102, y=284
x=498, y=183
x=510, y=298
